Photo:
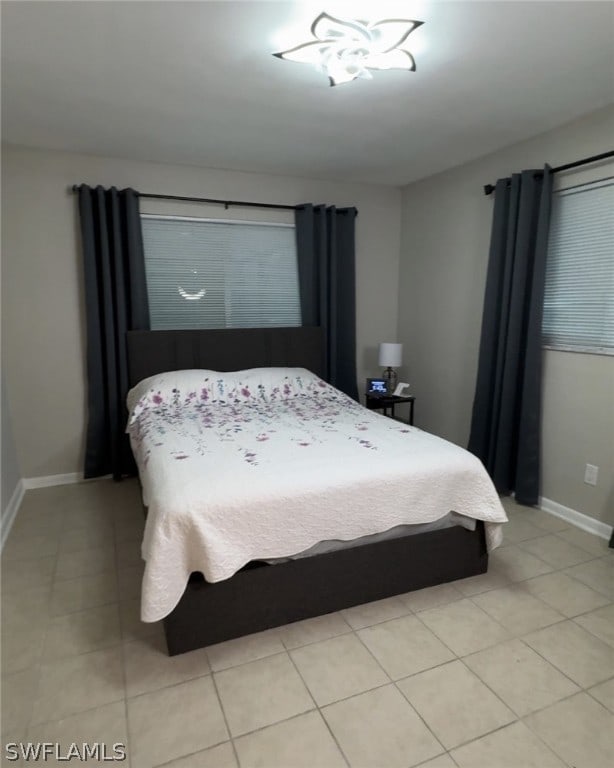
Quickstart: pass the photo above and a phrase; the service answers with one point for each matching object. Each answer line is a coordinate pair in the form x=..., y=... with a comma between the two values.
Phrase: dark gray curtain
x=115, y=302
x=327, y=276
x=506, y=420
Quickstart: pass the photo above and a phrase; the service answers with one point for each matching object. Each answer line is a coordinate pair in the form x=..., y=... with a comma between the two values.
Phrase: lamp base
x=391, y=379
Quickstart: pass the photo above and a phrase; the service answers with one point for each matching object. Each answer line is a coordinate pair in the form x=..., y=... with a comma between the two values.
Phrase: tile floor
x=512, y=669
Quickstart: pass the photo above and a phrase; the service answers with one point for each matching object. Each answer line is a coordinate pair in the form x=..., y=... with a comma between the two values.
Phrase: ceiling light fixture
x=346, y=50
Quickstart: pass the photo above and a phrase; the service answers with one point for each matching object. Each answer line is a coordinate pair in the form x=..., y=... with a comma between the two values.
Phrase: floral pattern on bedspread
x=227, y=390
x=286, y=418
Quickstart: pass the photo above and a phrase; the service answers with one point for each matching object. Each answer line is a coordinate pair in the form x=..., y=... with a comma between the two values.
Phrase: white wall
x=10, y=469
x=444, y=253
x=43, y=317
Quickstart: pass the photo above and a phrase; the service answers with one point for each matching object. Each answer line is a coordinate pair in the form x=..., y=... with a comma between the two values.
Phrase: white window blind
x=579, y=295
x=204, y=273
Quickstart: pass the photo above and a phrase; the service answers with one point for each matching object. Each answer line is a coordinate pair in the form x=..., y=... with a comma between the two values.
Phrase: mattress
x=267, y=463
x=334, y=545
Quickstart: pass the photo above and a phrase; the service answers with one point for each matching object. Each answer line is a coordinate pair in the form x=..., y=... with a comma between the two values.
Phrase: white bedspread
x=230, y=482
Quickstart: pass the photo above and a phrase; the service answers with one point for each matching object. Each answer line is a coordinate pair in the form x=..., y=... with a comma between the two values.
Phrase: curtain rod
x=488, y=188
x=225, y=203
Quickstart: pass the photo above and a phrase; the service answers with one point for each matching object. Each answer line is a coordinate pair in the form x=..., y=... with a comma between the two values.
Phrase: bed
x=241, y=480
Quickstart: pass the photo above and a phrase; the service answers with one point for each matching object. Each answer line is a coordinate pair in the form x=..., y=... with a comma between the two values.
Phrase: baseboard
x=10, y=513
x=48, y=480
x=579, y=519
x=29, y=483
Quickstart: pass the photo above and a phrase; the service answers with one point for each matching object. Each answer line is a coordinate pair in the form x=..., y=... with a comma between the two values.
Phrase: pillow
x=169, y=388
x=276, y=384
x=203, y=386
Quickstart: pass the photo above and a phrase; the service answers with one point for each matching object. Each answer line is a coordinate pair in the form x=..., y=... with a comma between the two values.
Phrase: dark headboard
x=232, y=349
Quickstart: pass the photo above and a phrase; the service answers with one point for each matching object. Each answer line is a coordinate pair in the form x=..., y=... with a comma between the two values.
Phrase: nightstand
x=388, y=402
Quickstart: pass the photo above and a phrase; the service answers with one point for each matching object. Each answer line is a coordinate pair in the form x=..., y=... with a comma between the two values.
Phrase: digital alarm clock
x=377, y=387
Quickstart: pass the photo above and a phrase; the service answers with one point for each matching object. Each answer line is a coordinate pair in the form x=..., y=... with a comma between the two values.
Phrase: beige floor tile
x=519, y=528
x=21, y=644
x=93, y=513
x=441, y=761
x=79, y=683
x=313, y=630
x=588, y=541
x=455, y=703
x=548, y=522
x=483, y=582
x=37, y=523
x=33, y=546
x=129, y=510
x=578, y=654
x=78, y=493
x=105, y=725
x=128, y=504
x=579, y=730
x=565, y=594
x=128, y=541
x=599, y=623
x=28, y=605
x=129, y=581
x=464, y=627
x=87, y=562
x=126, y=495
x=80, y=539
x=18, y=695
x=379, y=728
x=84, y=536
x=131, y=625
x=510, y=505
x=597, y=574
x=261, y=693
x=517, y=610
x=374, y=613
x=431, y=597
x=511, y=747
x=93, y=521
x=604, y=693
x=221, y=756
x=82, y=632
x=27, y=574
x=516, y=564
x=174, y=722
x=149, y=667
x=520, y=677
x=128, y=553
x=405, y=646
x=337, y=668
x=43, y=500
x=555, y=551
x=74, y=595
x=302, y=742
x=244, y=649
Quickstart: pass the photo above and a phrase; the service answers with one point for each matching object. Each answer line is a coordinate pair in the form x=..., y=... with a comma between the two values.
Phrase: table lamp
x=390, y=358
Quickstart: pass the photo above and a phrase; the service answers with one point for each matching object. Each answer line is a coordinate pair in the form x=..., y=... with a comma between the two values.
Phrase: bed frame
x=261, y=596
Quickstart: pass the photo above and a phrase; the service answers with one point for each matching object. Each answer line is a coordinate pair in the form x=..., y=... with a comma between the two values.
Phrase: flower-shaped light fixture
x=346, y=50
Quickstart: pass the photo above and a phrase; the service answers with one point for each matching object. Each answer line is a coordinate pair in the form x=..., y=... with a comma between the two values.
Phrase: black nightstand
x=387, y=402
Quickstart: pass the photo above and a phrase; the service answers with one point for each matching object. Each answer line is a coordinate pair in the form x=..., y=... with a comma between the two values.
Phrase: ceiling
x=195, y=83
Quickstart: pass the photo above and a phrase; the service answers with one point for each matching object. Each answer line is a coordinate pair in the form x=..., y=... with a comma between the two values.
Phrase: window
x=579, y=296
x=204, y=273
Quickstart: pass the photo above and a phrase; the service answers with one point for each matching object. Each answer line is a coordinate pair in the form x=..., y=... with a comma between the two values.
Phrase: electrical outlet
x=590, y=474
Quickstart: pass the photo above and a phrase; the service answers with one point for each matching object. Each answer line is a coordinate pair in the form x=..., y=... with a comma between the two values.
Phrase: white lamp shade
x=390, y=355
